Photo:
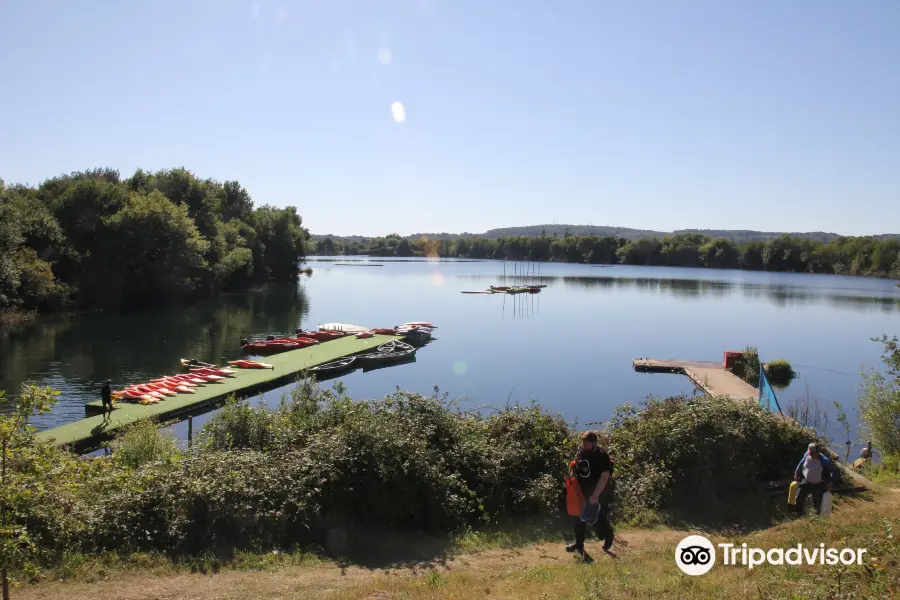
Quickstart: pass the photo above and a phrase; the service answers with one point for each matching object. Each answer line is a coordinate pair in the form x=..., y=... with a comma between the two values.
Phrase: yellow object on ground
x=792, y=492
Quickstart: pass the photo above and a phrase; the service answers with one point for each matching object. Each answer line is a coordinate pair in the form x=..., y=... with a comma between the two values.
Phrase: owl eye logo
x=695, y=555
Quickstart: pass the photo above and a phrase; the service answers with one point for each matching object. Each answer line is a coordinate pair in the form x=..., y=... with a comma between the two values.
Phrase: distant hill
x=736, y=235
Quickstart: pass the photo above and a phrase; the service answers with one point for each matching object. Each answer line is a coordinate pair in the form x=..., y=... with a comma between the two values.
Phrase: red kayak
x=219, y=372
x=278, y=345
x=321, y=336
x=250, y=364
x=384, y=331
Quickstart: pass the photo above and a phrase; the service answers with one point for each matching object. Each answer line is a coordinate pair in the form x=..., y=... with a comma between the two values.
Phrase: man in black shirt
x=593, y=468
x=106, y=397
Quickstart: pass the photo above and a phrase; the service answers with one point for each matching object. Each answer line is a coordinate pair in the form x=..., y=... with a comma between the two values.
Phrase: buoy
x=792, y=493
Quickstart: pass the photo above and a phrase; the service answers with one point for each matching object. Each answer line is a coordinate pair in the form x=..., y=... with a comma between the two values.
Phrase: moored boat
x=345, y=327
x=322, y=336
x=342, y=364
x=419, y=324
x=250, y=364
x=277, y=345
x=190, y=362
x=387, y=353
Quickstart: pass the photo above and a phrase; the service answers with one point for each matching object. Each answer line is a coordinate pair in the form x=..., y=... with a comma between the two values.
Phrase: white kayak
x=343, y=327
x=418, y=324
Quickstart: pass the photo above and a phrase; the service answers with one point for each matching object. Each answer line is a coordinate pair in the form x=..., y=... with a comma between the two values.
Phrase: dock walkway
x=91, y=432
x=711, y=377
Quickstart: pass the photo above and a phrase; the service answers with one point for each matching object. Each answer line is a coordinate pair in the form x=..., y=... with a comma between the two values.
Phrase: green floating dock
x=89, y=433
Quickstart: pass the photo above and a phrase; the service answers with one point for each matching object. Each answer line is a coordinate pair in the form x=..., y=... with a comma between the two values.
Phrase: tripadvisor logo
x=696, y=555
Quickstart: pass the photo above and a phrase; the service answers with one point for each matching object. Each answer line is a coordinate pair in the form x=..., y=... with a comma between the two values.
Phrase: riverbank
x=299, y=477
x=527, y=563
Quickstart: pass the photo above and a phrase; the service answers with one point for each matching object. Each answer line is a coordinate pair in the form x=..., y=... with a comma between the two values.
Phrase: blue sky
x=766, y=114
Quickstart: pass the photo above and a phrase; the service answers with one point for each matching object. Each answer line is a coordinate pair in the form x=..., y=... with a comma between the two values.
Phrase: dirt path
x=322, y=581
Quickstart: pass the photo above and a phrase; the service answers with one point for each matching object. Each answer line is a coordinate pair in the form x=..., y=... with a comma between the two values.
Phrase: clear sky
x=779, y=115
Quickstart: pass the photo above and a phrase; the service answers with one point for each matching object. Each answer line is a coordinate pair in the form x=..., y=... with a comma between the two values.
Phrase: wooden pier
x=92, y=432
x=711, y=377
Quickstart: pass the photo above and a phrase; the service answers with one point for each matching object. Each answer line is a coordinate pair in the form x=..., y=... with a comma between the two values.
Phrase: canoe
x=500, y=288
x=151, y=392
x=209, y=378
x=389, y=356
x=158, y=387
x=345, y=327
x=190, y=362
x=189, y=378
x=215, y=371
x=393, y=346
x=250, y=364
x=341, y=364
x=171, y=381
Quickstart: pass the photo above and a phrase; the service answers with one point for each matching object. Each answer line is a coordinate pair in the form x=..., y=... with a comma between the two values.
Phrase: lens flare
x=460, y=368
x=398, y=112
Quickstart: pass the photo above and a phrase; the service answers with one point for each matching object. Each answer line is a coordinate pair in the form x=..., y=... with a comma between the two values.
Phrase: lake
x=569, y=347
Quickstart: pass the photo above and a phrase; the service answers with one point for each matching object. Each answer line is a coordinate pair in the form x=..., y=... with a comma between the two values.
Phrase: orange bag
x=574, y=497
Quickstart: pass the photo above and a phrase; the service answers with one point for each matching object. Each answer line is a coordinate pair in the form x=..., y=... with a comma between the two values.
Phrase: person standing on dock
x=593, y=468
x=106, y=397
x=814, y=474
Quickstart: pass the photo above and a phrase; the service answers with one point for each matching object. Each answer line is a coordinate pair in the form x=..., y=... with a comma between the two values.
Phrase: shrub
x=144, y=443
x=780, y=373
x=879, y=401
x=747, y=366
x=682, y=453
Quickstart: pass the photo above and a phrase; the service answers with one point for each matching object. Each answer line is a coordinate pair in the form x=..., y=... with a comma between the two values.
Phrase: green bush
x=284, y=477
x=887, y=472
x=144, y=443
x=747, y=366
x=879, y=401
x=680, y=454
x=780, y=373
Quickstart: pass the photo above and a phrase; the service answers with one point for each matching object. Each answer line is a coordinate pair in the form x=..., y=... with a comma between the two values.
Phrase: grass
x=529, y=564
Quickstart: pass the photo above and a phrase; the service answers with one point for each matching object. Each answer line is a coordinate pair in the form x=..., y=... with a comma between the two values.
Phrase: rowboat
x=342, y=364
x=391, y=347
x=386, y=357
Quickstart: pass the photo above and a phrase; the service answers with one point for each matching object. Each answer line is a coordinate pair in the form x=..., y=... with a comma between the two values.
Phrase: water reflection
x=780, y=294
x=75, y=353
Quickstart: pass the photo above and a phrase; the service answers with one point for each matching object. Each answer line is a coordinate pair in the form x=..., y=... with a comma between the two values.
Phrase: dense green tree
x=845, y=255
x=95, y=239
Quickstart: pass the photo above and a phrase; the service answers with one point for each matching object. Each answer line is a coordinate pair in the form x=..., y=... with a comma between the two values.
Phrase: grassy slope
x=477, y=566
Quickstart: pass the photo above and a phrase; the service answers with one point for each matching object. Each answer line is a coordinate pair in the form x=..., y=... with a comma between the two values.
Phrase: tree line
x=842, y=256
x=92, y=239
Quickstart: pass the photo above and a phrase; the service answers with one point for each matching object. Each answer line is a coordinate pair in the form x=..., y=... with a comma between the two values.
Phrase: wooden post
x=190, y=431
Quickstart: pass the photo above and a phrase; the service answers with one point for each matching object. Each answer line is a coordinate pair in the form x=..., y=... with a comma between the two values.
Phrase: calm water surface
x=569, y=347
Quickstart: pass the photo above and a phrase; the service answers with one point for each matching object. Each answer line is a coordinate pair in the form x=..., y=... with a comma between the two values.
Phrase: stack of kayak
x=416, y=331
x=172, y=385
x=271, y=344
